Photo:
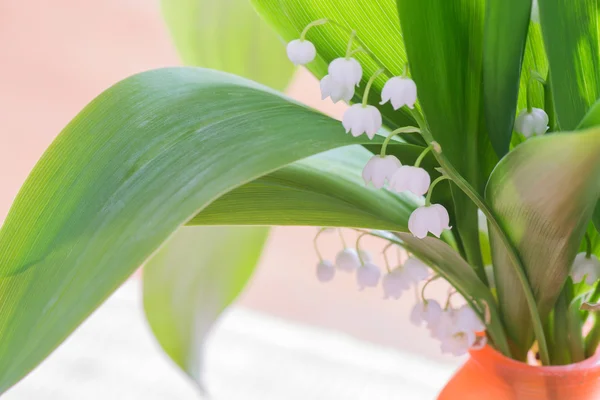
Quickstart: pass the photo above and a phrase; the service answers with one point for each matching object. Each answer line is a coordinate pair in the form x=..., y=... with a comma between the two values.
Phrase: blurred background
x=288, y=336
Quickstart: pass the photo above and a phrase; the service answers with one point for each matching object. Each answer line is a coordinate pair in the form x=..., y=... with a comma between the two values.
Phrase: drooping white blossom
x=335, y=89
x=403, y=277
x=428, y=312
x=301, y=51
x=368, y=275
x=379, y=169
x=458, y=341
x=466, y=318
x=359, y=119
x=433, y=218
x=347, y=71
x=400, y=91
x=413, y=179
x=457, y=330
x=533, y=123
x=347, y=260
x=325, y=271
x=585, y=268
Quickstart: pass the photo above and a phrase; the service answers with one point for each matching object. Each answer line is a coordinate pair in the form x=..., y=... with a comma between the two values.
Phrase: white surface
x=249, y=356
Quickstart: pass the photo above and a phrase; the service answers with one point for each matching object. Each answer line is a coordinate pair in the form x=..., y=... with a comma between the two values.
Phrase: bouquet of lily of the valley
x=471, y=143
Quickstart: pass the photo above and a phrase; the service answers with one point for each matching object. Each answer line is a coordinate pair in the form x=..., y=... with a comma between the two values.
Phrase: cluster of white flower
x=344, y=75
x=456, y=328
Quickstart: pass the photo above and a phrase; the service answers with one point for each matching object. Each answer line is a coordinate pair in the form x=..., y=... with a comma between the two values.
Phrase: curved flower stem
x=385, y=258
x=369, y=84
x=438, y=180
x=588, y=248
x=318, y=22
x=316, y=245
x=433, y=278
x=404, y=129
x=342, y=238
x=356, y=51
x=513, y=255
x=422, y=156
x=349, y=47
x=362, y=262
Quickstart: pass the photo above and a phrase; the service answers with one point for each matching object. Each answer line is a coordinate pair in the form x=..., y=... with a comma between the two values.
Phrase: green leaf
x=448, y=263
x=444, y=43
x=228, y=35
x=534, y=59
x=139, y=161
x=543, y=194
x=191, y=280
x=323, y=190
x=505, y=36
x=383, y=38
x=570, y=31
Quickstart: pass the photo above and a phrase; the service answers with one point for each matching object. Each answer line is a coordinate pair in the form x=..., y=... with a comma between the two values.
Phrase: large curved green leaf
x=571, y=37
x=228, y=35
x=289, y=17
x=543, y=194
x=191, y=280
x=505, y=36
x=323, y=190
x=139, y=161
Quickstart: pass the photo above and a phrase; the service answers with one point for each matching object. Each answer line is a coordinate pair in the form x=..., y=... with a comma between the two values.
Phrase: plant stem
x=593, y=338
x=435, y=182
x=433, y=278
x=560, y=354
x=315, y=243
x=405, y=129
x=512, y=253
x=321, y=21
x=369, y=84
x=349, y=47
x=422, y=156
x=588, y=242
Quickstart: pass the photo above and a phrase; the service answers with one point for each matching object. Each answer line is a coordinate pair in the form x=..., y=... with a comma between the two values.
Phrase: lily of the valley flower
x=532, y=123
x=347, y=260
x=403, y=277
x=335, y=90
x=325, y=271
x=433, y=218
x=458, y=342
x=379, y=169
x=585, y=268
x=368, y=275
x=400, y=91
x=301, y=51
x=428, y=312
x=413, y=179
x=359, y=119
x=346, y=70
x=457, y=330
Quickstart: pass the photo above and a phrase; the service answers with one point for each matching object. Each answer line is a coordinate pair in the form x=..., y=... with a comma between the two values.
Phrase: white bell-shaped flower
x=347, y=71
x=533, y=123
x=379, y=169
x=413, y=179
x=467, y=319
x=335, y=89
x=301, y=52
x=368, y=275
x=325, y=271
x=428, y=312
x=458, y=341
x=433, y=218
x=347, y=260
x=585, y=268
x=403, y=277
x=444, y=325
x=359, y=119
x=400, y=91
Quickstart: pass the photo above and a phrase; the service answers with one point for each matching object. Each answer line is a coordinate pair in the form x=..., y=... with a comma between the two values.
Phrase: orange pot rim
x=490, y=356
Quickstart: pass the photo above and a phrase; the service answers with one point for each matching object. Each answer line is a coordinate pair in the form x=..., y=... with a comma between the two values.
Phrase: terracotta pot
x=488, y=375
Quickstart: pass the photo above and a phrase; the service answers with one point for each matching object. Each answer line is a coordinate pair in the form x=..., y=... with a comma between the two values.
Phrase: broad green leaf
x=448, y=263
x=444, y=44
x=543, y=194
x=534, y=59
x=376, y=26
x=191, y=280
x=505, y=36
x=323, y=190
x=228, y=35
x=139, y=161
x=570, y=31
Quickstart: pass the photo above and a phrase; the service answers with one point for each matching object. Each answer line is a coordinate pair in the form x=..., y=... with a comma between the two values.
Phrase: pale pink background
x=55, y=56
